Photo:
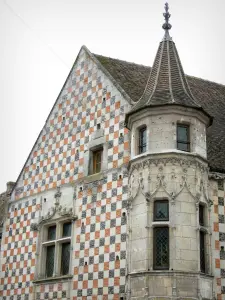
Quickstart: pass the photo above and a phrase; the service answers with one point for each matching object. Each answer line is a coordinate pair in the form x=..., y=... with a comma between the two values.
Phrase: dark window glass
x=66, y=229
x=51, y=233
x=50, y=254
x=201, y=215
x=202, y=252
x=142, y=140
x=161, y=248
x=97, y=161
x=161, y=210
x=183, y=138
x=65, y=261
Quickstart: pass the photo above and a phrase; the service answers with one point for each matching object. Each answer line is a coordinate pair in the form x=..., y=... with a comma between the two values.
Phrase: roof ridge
x=147, y=66
x=207, y=80
x=118, y=59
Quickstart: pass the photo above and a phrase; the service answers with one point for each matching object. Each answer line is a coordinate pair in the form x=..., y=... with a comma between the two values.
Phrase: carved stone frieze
x=169, y=175
x=56, y=211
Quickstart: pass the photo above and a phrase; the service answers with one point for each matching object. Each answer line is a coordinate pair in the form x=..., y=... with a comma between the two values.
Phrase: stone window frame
x=186, y=125
x=141, y=145
x=43, y=243
x=137, y=139
x=160, y=224
x=91, y=159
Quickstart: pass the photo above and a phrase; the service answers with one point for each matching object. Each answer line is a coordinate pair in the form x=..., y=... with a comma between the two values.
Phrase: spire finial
x=167, y=26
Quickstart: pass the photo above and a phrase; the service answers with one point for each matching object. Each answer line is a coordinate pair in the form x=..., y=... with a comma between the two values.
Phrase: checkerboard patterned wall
x=219, y=237
x=18, y=251
x=87, y=99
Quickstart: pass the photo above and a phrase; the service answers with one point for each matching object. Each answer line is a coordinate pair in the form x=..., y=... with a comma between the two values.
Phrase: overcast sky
x=40, y=40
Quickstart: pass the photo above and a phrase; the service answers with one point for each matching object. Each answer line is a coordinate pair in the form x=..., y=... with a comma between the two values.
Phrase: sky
x=40, y=40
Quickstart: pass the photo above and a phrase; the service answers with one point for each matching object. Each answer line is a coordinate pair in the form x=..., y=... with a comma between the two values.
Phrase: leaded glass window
x=183, y=137
x=50, y=258
x=161, y=210
x=58, y=240
x=67, y=229
x=202, y=251
x=51, y=233
x=142, y=140
x=65, y=261
x=161, y=248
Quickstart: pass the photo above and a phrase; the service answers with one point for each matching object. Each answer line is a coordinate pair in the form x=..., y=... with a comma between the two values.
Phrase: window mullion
x=56, y=260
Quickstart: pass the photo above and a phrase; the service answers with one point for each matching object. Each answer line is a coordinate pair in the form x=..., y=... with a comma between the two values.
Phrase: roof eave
x=127, y=116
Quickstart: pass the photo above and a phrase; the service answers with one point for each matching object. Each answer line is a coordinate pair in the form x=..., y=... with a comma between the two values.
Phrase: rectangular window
x=58, y=241
x=50, y=258
x=161, y=248
x=142, y=140
x=65, y=261
x=201, y=215
x=183, y=137
x=202, y=251
x=97, y=161
x=161, y=210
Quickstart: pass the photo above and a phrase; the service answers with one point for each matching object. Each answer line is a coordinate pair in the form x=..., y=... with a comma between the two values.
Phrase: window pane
x=66, y=229
x=183, y=147
x=161, y=212
x=97, y=160
x=65, y=261
x=201, y=215
x=161, y=248
x=52, y=233
x=202, y=252
x=142, y=140
x=182, y=133
x=50, y=260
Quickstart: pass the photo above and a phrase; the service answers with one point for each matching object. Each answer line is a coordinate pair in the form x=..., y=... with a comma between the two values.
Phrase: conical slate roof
x=167, y=83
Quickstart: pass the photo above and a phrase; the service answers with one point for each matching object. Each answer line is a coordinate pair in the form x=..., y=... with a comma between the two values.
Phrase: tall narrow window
x=202, y=237
x=183, y=137
x=97, y=161
x=161, y=235
x=202, y=251
x=161, y=248
x=142, y=140
x=201, y=215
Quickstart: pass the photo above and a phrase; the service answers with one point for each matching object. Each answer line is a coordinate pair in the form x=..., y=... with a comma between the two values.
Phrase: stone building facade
x=122, y=195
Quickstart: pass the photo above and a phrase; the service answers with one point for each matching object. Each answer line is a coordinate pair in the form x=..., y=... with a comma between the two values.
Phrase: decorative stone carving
x=34, y=227
x=146, y=178
x=57, y=210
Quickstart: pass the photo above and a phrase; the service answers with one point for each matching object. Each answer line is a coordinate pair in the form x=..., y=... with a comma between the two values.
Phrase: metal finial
x=167, y=26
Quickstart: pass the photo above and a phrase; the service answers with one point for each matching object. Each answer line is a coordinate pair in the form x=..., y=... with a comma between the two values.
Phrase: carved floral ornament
x=55, y=212
x=170, y=175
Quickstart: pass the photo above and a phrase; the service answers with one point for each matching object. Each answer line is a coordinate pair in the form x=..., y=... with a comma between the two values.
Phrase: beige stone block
x=188, y=231
x=188, y=255
x=183, y=243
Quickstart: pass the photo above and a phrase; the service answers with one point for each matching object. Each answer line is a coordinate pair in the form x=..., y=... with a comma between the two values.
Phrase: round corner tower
x=169, y=245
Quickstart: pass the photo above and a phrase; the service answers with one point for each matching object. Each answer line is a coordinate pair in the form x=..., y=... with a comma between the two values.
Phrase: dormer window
x=183, y=137
x=142, y=147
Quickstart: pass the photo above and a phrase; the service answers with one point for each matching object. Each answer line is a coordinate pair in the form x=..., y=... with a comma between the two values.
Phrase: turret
x=169, y=209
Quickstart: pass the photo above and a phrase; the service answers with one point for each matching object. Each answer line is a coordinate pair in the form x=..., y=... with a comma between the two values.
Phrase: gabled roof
x=211, y=96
